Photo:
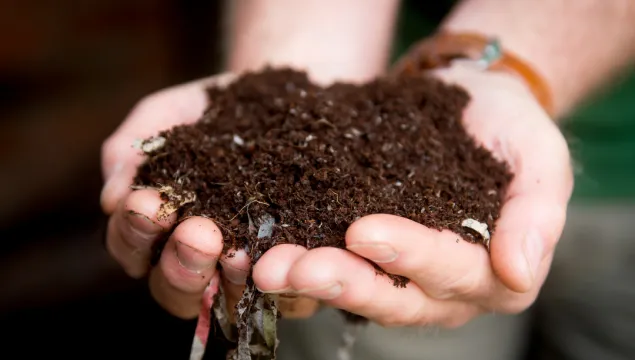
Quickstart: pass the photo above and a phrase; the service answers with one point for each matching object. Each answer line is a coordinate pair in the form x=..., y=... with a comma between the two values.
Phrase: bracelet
x=444, y=49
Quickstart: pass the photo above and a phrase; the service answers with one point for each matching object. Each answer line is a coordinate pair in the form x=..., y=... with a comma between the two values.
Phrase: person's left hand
x=450, y=282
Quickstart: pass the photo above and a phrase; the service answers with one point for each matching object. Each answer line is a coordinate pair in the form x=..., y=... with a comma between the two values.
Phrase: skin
x=329, y=39
x=451, y=283
x=577, y=45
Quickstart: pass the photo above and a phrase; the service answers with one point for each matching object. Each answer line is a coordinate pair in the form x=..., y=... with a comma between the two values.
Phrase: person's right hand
x=189, y=259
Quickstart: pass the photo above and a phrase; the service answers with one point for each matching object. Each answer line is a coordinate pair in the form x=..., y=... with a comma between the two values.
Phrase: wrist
x=332, y=40
x=537, y=70
x=506, y=23
x=577, y=46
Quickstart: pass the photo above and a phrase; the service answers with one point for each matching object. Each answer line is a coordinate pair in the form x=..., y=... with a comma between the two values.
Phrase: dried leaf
x=251, y=227
x=266, y=226
x=176, y=199
x=244, y=323
x=257, y=316
x=256, y=311
x=270, y=319
x=220, y=312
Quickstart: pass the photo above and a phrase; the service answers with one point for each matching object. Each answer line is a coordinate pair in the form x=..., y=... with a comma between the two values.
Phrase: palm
x=502, y=117
x=505, y=119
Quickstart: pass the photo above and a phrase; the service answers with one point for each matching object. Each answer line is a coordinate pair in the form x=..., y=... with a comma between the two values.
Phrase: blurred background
x=69, y=73
x=71, y=70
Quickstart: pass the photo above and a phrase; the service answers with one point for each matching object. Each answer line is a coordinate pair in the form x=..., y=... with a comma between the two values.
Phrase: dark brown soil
x=318, y=159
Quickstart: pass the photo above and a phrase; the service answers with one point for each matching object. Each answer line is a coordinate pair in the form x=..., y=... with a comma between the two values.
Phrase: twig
x=247, y=206
x=337, y=197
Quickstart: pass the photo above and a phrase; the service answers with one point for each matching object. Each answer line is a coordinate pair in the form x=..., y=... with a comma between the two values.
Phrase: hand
x=189, y=259
x=450, y=282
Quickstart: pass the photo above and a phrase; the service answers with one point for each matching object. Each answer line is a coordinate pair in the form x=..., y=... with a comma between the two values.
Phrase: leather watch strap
x=443, y=48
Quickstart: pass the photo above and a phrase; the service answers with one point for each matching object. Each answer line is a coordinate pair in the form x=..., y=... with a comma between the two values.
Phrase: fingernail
x=234, y=275
x=142, y=225
x=379, y=253
x=193, y=259
x=326, y=292
x=533, y=249
x=285, y=291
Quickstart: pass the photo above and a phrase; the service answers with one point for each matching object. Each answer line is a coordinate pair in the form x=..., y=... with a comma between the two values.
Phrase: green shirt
x=601, y=133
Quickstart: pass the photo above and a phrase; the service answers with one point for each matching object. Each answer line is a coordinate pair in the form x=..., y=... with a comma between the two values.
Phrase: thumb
x=525, y=236
x=534, y=214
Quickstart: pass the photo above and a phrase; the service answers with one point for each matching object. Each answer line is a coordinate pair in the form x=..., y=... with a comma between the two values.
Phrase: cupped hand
x=451, y=282
x=188, y=262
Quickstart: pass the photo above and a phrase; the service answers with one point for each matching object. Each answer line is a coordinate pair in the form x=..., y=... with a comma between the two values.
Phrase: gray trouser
x=586, y=310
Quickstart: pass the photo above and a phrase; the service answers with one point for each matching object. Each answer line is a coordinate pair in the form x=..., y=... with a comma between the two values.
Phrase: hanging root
x=257, y=313
x=257, y=316
x=345, y=351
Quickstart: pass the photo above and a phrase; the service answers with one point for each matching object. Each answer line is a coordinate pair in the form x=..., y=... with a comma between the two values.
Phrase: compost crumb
x=317, y=159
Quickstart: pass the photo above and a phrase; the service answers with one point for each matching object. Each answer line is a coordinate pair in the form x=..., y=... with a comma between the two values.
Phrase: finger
x=235, y=266
x=504, y=300
x=526, y=234
x=134, y=228
x=441, y=266
x=271, y=271
x=346, y=281
x=160, y=111
x=270, y=275
x=533, y=216
x=188, y=263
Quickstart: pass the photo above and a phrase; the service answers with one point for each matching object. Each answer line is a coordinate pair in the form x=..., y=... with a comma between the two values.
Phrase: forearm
x=577, y=45
x=331, y=39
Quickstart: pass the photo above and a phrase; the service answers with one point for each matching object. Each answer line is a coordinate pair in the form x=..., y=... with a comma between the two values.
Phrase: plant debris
x=276, y=159
x=480, y=228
